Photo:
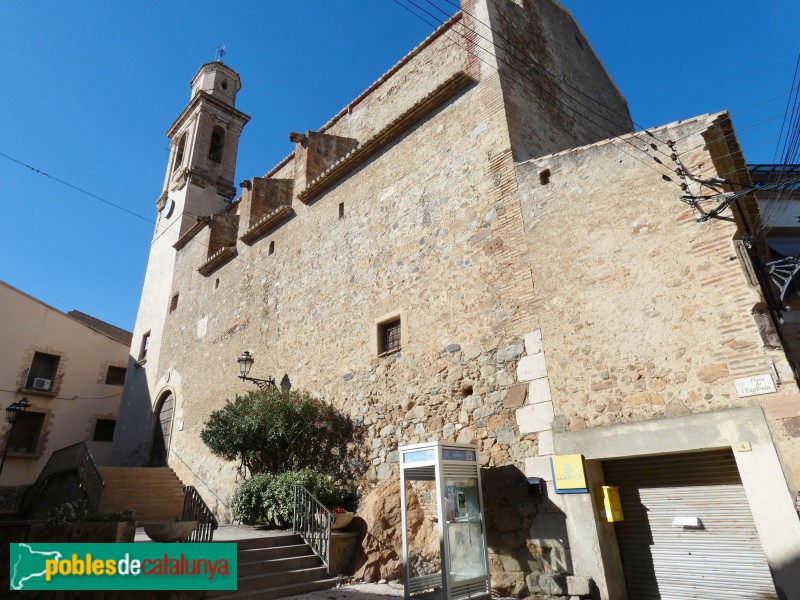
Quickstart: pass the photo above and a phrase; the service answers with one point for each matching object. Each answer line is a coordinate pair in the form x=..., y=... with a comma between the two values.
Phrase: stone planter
x=103, y=532
x=343, y=550
x=169, y=531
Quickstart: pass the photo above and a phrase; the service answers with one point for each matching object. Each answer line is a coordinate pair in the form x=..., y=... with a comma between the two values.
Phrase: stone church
x=480, y=248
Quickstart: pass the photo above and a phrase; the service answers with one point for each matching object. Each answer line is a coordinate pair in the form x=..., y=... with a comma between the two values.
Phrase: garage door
x=688, y=531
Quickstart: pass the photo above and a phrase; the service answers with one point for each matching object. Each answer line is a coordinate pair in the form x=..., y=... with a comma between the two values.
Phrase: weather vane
x=220, y=53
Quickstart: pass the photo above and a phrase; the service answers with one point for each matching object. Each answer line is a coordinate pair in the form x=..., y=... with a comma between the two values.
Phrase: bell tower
x=204, y=140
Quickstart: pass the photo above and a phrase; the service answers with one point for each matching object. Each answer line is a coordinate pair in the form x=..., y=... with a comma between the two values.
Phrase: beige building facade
x=71, y=368
x=552, y=291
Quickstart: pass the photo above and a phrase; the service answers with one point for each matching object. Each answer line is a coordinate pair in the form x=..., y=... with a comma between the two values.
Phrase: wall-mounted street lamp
x=245, y=364
x=13, y=411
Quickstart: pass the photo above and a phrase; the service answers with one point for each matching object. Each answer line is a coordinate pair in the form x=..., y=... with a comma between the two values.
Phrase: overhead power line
x=76, y=188
x=666, y=177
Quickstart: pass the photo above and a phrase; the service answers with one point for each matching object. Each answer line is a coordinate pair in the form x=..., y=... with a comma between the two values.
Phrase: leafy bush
x=110, y=517
x=76, y=512
x=268, y=498
x=275, y=432
x=69, y=512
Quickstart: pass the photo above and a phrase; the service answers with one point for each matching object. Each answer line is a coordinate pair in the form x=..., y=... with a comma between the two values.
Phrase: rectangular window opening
x=173, y=303
x=341, y=210
x=389, y=336
x=115, y=375
x=24, y=438
x=104, y=430
x=145, y=346
x=42, y=374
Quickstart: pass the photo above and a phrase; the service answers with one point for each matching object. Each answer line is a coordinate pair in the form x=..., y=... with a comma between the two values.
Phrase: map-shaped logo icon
x=29, y=564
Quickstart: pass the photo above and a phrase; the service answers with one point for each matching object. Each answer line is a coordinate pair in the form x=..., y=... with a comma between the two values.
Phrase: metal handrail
x=196, y=509
x=77, y=459
x=312, y=520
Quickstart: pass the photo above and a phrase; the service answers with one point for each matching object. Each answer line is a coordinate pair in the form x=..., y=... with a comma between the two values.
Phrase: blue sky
x=91, y=87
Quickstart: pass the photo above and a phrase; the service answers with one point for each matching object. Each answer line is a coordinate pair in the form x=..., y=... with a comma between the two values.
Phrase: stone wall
x=646, y=313
x=529, y=304
x=549, y=74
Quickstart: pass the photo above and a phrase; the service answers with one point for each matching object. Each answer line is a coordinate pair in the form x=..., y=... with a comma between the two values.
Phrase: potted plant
x=341, y=518
x=70, y=522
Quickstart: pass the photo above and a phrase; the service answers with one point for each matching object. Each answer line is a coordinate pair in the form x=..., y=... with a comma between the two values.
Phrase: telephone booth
x=444, y=538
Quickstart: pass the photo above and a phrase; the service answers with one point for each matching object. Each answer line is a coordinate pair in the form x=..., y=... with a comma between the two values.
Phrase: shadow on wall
x=788, y=572
x=526, y=532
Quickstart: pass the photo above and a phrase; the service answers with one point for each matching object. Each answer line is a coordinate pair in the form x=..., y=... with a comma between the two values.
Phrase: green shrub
x=69, y=512
x=275, y=431
x=269, y=499
x=76, y=512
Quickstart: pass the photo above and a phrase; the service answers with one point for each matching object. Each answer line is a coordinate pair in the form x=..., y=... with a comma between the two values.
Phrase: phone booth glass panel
x=444, y=543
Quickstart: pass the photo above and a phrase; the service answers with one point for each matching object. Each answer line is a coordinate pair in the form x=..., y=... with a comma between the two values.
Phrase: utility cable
x=544, y=73
x=65, y=398
x=75, y=187
x=662, y=175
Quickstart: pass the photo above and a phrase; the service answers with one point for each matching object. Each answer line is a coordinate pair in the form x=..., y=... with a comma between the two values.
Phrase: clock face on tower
x=169, y=206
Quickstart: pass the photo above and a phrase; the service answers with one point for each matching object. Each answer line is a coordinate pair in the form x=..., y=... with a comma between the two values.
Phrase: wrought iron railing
x=74, y=472
x=195, y=509
x=312, y=520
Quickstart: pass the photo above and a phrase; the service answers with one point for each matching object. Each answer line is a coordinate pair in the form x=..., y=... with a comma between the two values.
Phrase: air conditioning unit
x=40, y=383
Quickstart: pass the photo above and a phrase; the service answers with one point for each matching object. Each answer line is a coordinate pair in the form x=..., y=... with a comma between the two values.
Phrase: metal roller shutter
x=721, y=560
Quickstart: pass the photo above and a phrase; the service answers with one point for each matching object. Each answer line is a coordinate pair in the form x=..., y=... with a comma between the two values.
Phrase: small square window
x=42, y=374
x=104, y=430
x=115, y=376
x=24, y=438
x=389, y=336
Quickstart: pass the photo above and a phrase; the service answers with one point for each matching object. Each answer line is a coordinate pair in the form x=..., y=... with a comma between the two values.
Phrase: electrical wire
x=65, y=398
x=544, y=71
x=75, y=187
x=578, y=113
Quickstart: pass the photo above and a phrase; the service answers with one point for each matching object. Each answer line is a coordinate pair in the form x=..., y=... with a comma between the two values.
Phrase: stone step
x=262, y=581
x=154, y=494
x=282, y=591
x=278, y=565
x=126, y=471
x=259, y=554
x=270, y=541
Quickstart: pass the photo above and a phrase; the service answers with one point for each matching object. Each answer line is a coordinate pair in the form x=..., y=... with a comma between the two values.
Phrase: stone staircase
x=276, y=566
x=153, y=493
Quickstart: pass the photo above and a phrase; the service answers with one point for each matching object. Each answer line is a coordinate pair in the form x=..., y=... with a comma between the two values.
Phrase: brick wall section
x=315, y=153
x=224, y=229
x=262, y=196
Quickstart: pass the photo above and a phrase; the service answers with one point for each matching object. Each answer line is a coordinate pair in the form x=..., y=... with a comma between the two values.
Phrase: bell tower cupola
x=204, y=140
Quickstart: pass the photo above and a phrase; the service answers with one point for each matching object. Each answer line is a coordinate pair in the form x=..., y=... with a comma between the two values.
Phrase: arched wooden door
x=163, y=427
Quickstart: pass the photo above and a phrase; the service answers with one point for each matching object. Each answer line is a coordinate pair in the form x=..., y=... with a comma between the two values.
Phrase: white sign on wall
x=755, y=385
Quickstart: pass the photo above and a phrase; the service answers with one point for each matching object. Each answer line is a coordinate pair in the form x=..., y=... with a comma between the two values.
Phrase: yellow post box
x=610, y=506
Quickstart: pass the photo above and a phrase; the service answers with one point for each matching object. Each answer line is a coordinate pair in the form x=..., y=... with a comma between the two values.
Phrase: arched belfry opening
x=162, y=429
x=217, y=144
x=180, y=150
